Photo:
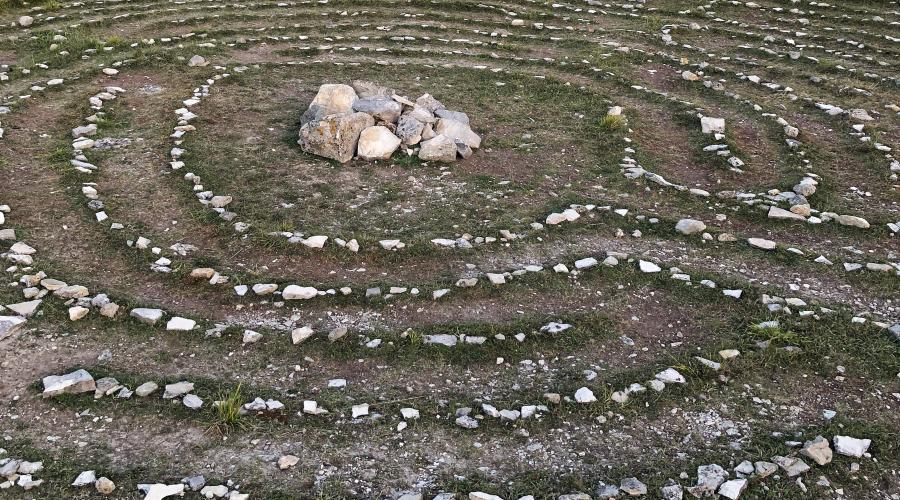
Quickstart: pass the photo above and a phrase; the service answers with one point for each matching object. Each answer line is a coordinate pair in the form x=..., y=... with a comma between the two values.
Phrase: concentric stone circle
x=669, y=197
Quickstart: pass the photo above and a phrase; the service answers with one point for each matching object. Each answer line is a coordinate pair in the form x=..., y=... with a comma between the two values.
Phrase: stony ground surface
x=670, y=269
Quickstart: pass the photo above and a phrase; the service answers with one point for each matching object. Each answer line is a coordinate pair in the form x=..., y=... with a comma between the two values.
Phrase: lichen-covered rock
x=334, y=136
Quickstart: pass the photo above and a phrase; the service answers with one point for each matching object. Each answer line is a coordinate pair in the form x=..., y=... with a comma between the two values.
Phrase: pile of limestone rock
x=371, y=122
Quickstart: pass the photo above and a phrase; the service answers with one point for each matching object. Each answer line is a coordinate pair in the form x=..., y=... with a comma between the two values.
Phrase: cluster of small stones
x=372, y=122
x=83, y=141
x=20, y=473
x=711, y=479
x=36, y=286
x=797, y=199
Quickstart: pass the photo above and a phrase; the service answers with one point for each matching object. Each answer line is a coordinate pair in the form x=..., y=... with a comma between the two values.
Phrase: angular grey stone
x=366, y=89
x=441, y=339
x=177, y=389
x=409, y=130
x=381, y=108
x=633, y=487
x=9, y=325
x=452, y=115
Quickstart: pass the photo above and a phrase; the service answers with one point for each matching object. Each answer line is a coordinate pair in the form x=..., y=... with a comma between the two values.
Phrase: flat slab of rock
x=25, y=309
x=761, y=243
x=71, y=383
x=334, y=136
x=147, y=316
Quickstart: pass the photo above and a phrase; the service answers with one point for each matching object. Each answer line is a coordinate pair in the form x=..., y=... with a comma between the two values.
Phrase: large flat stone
x=71, y=383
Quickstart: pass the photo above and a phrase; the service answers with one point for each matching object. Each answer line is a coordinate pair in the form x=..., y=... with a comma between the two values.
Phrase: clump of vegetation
x=613, y=123
x=228, y=411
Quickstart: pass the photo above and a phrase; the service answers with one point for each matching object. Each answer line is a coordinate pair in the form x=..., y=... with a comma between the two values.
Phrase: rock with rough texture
x=146, y=389
x=782, y=214
x=377, y=143
x=818, y=450
x=633, y=487
x=177, y=389
x=298, y=335
x=85, y=478
x=409, y=130
x=178, y=324
x=851, y=447
x=25, y=309
x=690, y=226
x=382, y=109
x=105, y=486
x=733, y=489
x=792, y=466
x=467, y=422
x=852, y=220
x=26, y=21
x=366, y=89
x=287, y=461
x=294, y=292
x=159, y=491
x=452, y=115
x=197, y=61
x=76, y=382
x=10, y=325
x=761, y=243
x=585, y=395
x=441, y=339
x=334, y=136
x=458, y=131
x=711, y=125
x=438, y=148
x=192, y=401
x=331, y=99
x=670, y=376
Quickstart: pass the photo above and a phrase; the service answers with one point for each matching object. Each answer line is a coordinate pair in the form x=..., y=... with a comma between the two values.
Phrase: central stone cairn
x=372, y=122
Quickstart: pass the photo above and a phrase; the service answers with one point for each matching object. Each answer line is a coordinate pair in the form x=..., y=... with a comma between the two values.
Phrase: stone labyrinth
x=665, y=263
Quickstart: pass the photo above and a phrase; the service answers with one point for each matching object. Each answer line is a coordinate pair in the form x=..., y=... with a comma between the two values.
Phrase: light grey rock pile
x=372, y=122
